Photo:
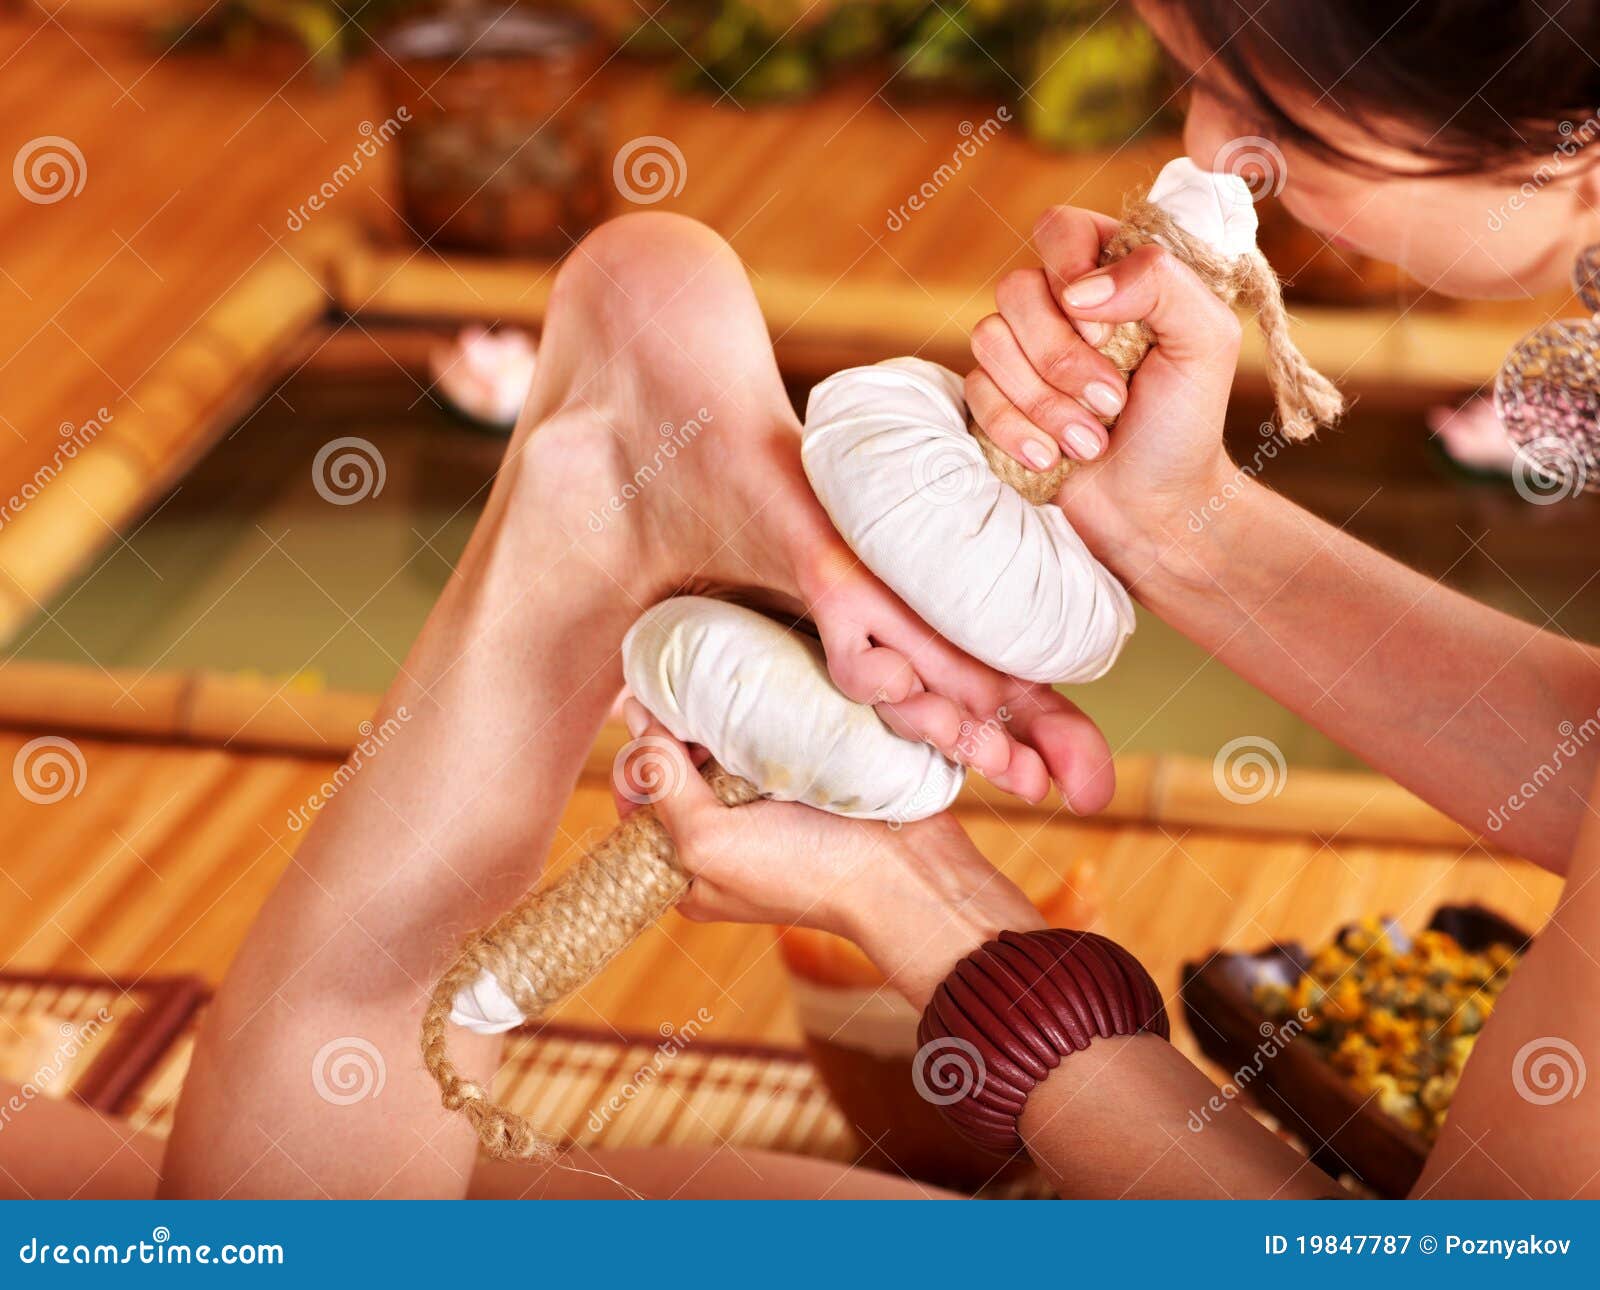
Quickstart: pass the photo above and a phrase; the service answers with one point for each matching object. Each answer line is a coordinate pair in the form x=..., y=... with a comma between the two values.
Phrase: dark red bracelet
x=1011, y=1010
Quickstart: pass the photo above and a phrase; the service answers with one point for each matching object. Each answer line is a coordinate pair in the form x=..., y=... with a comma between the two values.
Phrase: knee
x=644, y=264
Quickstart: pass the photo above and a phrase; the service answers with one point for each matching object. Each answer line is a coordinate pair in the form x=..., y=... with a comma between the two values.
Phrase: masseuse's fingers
x=1000, y=419
x=1067, y=240
x=1057, y=416
x=1057, y=354
x=1193, y=328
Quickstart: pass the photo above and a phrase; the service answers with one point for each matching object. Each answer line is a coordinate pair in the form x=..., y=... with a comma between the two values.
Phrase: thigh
x=58, y=1150
x=690, y=1173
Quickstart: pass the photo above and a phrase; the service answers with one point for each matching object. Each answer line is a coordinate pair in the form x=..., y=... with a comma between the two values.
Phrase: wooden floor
x=160, y=860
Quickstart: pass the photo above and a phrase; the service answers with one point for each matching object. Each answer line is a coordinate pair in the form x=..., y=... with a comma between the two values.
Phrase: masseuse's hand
x=915, y=898
x=1039, y=379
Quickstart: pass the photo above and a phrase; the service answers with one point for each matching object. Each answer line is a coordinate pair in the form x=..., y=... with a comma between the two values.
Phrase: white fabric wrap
x=888, y=454
x=1216, y=208
x=759, y=697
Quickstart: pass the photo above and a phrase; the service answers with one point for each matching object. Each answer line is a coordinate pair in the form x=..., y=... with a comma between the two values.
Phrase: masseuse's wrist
x=1190, y=549
x=933, y=901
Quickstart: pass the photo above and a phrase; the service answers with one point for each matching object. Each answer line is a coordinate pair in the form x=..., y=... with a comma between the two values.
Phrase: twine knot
x=1304, y=398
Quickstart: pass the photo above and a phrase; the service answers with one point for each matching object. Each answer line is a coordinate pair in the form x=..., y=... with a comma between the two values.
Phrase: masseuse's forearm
x=1129, y=1115
x=443, y=828
x=1132, y=1117
x=1460, y=703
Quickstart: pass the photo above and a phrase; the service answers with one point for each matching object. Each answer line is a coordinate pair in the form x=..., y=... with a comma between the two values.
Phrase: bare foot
x=659, y=436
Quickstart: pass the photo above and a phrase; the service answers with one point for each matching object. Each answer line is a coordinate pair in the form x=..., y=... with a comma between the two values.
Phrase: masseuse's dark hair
x=1474, y=85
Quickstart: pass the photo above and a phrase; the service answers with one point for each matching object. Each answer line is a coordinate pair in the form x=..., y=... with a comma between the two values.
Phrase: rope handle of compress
x=1304, y=398
x=554, y=942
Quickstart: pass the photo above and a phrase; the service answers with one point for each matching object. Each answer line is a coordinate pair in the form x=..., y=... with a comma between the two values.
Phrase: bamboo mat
x=98, y=1042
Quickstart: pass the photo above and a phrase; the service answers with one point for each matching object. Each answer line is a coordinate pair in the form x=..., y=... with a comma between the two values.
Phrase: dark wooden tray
x=1343, y=1131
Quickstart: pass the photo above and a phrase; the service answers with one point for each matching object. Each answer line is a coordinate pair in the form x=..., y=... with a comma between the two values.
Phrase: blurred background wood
x=188, y=271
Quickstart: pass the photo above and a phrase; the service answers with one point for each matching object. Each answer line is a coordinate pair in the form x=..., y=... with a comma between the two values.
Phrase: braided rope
x=553, y=942
x=1305, y=398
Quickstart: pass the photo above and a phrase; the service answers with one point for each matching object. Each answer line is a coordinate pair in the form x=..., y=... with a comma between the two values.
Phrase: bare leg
x=1517, y=1126
x=652, y=324
x=691, y=1173
x=59, y=1150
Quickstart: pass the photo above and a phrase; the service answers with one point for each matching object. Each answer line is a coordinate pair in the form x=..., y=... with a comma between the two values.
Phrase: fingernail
x=1104, y=399
x=1084, y=441
x=1040, y=455
x=1095, y=333
x=1096, y=289
x=635, y=717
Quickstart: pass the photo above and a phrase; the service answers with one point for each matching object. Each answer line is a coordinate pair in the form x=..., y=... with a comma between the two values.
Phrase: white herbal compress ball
x=888, y=454
x=758, y=696
x=887, y=451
